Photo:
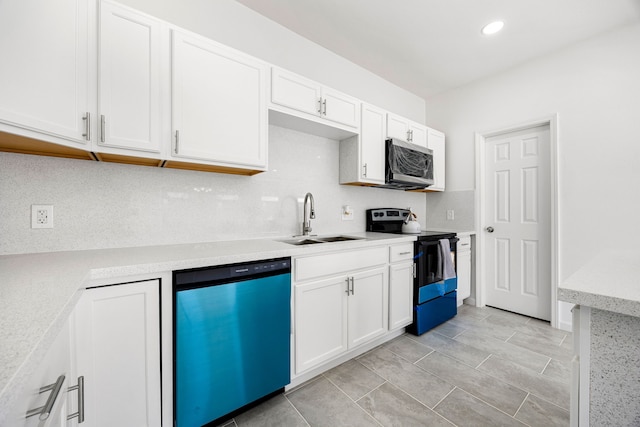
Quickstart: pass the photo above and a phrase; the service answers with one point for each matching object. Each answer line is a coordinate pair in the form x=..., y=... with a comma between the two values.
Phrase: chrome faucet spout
x=309, y=214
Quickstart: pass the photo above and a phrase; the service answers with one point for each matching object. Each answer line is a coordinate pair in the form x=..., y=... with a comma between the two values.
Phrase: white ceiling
x=430, y=46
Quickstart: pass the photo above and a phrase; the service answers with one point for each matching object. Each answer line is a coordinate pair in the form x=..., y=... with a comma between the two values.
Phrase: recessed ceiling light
x=492, y=27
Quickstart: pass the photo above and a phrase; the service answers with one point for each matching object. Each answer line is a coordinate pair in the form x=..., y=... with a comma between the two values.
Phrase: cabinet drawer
x=338, y=262
x=464, y=244
x=401, y=252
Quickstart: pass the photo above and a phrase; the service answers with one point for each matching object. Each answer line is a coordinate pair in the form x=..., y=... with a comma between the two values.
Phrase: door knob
x=490, y=229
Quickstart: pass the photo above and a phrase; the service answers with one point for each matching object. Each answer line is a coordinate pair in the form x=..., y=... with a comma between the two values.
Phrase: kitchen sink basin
x=315, y=240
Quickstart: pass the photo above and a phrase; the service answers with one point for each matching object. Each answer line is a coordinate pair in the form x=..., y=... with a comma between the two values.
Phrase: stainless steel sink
x=338, y=238
x=315, y=240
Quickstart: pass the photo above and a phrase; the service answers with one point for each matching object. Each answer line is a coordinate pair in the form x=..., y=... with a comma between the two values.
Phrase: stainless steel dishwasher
x=231, y=330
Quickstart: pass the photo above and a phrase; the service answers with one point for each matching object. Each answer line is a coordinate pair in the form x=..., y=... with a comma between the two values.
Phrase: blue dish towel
x=448, y=270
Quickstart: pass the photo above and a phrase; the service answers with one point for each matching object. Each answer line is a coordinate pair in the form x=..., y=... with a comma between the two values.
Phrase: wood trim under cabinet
x=11, y=143
x=209, y=168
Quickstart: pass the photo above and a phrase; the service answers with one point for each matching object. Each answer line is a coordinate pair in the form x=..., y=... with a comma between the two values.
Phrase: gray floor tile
x=277, y=411
x=541, y=345
x=323, y=404
x=500, y=394
x=408, y=349
x=499, y=332
x=505, y=350
x=421, y=385
x=354, y=379
x=462, y=352
x=558, y=370
x=450, y=329
x=550, y=389
x=393, y=407
x=506, y=318
x=538, y=412
x=554, y=336
x=476, y=313
x=463, y=409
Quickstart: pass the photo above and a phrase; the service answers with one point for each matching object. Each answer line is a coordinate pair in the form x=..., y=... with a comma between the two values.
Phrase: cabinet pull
x=365, y=170
x=80, y=388
x=348, y=281
x=102, y=131
x=87, y=126
x=320, y=105
x=353, y=286
x=45, y=410
x=324, y=107
x=177, y=141
x=405, y=253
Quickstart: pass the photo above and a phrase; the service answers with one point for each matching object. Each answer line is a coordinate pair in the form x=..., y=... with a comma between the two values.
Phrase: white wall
x=107, y=205
x=595, y=89
x=235, y=25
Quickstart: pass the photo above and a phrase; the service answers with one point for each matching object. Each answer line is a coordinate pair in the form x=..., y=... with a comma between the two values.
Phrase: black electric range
x=434, y=287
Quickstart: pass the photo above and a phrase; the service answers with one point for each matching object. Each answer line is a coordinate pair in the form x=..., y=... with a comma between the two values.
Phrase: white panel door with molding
x=517, y=240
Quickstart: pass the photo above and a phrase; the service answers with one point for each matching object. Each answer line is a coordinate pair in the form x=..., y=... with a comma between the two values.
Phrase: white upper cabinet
x=130, y=79
x=435, y=142
x=306, y=96
x=362, y=158
x=406, y=130
x=44, y=76
x=219, y=109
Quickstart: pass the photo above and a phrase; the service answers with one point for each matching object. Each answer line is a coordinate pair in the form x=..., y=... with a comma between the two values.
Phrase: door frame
x=480, y=204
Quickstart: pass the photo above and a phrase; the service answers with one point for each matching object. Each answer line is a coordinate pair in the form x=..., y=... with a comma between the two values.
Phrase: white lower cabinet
x=117, y=351
x=337, y=309
x=400, y=286
x=45, y=399
x=463, y=252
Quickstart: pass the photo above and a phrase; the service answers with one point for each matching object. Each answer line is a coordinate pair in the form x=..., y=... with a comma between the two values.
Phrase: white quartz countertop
x=611, y=282
x=39, y=291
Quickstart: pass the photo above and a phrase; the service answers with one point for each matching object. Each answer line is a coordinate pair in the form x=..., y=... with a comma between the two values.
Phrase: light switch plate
x=347, y=213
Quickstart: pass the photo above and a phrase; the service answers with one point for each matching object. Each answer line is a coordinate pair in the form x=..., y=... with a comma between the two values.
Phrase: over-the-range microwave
x=407, y=166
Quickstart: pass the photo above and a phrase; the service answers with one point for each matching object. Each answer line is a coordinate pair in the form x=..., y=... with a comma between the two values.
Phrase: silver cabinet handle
x=45, y=410
x=365, y=170
x=80, y=388
x=102, y=124
x=490, y=229
x=87, y=126
x=320, y=105
x=177, y=141
x=404, y=253
x=353, y=286
x=324, y=107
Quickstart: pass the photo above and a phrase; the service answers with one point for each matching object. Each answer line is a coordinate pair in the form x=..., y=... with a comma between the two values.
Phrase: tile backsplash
x=107, y=205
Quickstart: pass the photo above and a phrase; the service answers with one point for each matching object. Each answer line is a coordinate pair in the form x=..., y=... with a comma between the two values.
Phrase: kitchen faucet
x=308, y=216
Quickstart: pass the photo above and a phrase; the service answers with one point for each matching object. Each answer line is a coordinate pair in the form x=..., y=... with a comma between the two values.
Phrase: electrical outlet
x=347, y=213
x=450, y=215
x=41, y=216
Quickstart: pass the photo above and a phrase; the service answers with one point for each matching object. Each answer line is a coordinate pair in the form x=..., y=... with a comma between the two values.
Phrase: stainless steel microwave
x=407, y=166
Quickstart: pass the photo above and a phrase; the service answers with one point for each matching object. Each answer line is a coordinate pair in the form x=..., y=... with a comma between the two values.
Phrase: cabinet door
x=368, y=306
x=44, y=72
x=320, y=321
x=400, y=295
x=435, y=142
x=418, y=134
x=129, y=100
x=372, y=139
x=397, y=127
x=293, y=91
x=340, y=108
x=118, y=353
x=219, y=109
x=55, y=367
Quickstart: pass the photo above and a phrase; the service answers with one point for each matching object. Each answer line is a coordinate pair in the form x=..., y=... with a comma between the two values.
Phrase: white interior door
x=517, y=240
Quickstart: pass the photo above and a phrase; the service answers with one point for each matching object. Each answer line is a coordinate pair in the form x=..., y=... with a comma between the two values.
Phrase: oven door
x=429, y=281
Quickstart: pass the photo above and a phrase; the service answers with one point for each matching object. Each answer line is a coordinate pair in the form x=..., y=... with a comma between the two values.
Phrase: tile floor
x=485, y=367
